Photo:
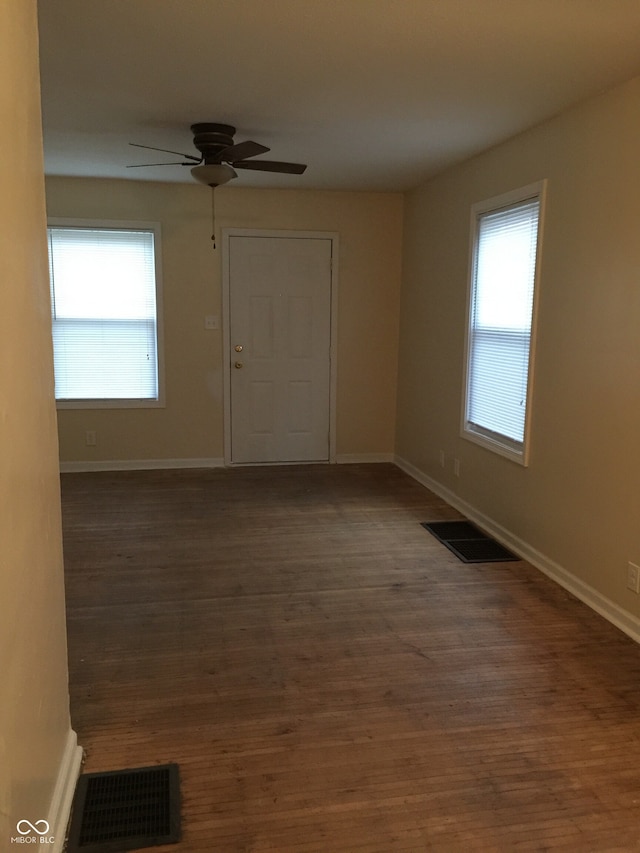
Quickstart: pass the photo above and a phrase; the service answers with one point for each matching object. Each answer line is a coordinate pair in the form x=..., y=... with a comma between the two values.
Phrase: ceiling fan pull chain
x=213, y=216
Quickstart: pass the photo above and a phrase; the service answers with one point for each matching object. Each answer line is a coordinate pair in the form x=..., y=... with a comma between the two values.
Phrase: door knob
x=238, y=365
x=238, y=348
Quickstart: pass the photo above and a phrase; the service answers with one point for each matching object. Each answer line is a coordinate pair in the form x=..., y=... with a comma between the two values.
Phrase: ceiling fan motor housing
x=212, y=139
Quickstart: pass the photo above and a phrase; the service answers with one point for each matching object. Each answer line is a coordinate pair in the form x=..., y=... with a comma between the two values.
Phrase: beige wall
x=190, y=427
x=34, y=700
x=578, y=502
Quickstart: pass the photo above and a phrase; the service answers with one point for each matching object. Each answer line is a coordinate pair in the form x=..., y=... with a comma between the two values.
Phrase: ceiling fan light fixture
x=213, y=174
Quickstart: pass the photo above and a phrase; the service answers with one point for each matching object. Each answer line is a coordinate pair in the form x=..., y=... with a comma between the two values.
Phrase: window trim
x=503, y=445
x=125, y=225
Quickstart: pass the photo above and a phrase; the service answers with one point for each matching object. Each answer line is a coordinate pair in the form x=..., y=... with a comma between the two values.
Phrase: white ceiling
x=371, y=94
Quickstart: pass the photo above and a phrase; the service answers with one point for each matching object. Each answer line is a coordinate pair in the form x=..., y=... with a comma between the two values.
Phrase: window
x=105, y=309
x=504, y=263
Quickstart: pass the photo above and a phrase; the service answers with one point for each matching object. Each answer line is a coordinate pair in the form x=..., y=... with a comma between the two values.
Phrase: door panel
x=280, y=314
x=261, y=328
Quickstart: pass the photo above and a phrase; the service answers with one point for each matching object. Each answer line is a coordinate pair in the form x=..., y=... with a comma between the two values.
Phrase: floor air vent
x=125, y=810
x=469, y=543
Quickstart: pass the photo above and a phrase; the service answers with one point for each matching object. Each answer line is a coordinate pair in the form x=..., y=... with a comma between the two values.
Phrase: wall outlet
x=211, y=321
x=456, y=467
x=90, y=438
x=633, y=578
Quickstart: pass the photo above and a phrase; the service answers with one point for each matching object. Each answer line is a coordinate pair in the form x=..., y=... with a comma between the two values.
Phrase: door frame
x=227, y=234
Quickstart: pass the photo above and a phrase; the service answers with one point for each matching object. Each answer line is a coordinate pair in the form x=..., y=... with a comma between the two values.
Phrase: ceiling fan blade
x=143, y=165
x=241, y=151
x=167, y=151
x=271, y=166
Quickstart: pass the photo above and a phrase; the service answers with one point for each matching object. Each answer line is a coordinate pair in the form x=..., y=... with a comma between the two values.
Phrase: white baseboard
x=62, y=799
x=351, y=458
x=622, y=619
x=88, y=466
x=138, y=464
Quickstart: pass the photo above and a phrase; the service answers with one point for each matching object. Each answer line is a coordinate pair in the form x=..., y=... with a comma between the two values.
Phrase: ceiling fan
x=220, y=156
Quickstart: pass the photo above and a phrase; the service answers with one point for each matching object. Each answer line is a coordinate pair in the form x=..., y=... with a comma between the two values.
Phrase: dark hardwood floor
x=331, y=679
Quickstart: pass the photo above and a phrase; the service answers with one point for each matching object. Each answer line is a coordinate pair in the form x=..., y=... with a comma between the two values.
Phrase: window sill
x=109, y=404
x=508, y=451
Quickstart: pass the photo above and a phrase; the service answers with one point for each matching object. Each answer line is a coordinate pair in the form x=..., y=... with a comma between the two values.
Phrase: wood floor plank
x=331, y=679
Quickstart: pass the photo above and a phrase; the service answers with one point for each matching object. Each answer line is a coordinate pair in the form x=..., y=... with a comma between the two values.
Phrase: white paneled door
x=280, y=339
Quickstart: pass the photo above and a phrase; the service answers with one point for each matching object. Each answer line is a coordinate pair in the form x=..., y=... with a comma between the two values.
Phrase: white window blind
x=103, y=298
x=500, y=323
